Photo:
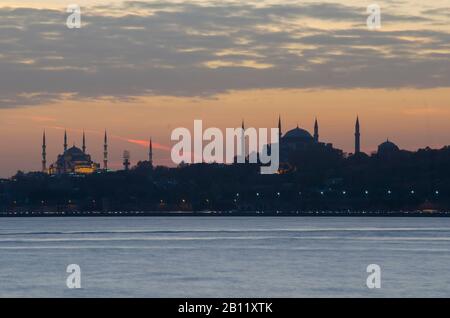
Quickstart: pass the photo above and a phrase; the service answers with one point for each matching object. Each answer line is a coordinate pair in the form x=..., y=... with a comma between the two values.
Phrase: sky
x=139, y=69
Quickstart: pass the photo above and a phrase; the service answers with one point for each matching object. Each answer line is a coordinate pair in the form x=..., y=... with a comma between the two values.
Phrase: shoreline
x=226, y=214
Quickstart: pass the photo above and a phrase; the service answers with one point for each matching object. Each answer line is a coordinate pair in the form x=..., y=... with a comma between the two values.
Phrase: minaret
x=316, y=131
x=279, y=127
x=44, y=154
x=65, y=140
x=105, y=153
x=150, y=152
x=243, y=141
x=357, y=137
x=84, y=143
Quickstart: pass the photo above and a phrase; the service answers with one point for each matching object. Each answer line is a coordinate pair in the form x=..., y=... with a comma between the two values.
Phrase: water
x=224, y=257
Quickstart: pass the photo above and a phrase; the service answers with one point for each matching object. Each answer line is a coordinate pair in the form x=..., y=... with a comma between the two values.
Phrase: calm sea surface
x=224, y=256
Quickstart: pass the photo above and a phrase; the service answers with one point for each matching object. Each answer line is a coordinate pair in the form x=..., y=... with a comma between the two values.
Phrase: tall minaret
x=65, y=140
x=84, y=142
x=357, y=137
x=44, y=154
x=316, y=131
x=105, y=152
x=279, y=127
x=243, y=141
x=150, y=152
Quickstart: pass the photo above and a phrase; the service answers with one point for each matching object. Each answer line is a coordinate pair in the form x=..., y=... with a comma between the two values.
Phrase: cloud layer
x=185, y=49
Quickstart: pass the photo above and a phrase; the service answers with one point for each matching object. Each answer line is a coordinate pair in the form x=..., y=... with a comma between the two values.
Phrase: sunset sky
x=143, y=68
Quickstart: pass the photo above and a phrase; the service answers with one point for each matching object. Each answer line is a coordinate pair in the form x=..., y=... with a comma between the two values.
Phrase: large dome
x=388, y=147
x=298, y=133
x=74, y=151
x=76, y=154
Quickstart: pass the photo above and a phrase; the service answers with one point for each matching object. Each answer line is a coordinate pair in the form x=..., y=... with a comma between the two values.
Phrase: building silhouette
x=293, y=144
x=298, y=142
x=316, y=131
x=126, y=160
x=44, y=153
x=150, y=152
x=105, y=152
x=357, y=137
x=387, y=149
x=72, y=160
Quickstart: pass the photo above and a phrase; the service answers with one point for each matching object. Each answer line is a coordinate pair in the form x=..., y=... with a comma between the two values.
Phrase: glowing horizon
x=141, y=69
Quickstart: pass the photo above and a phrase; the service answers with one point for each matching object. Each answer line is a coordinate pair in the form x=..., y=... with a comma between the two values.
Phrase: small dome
x=298, y=133
x=388, y=147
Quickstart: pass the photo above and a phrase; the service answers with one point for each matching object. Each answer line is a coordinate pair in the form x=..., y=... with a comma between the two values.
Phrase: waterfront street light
x=344, y=192
x=436, y=192
x=389, y=192
x=366, y=192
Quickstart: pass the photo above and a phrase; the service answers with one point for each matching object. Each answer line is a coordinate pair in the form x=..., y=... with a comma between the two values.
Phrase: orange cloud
x=145, y=143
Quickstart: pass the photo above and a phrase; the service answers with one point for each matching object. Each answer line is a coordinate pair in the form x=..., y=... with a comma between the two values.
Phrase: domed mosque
x=298, y=140
x=72, y=160
x=387, y=148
